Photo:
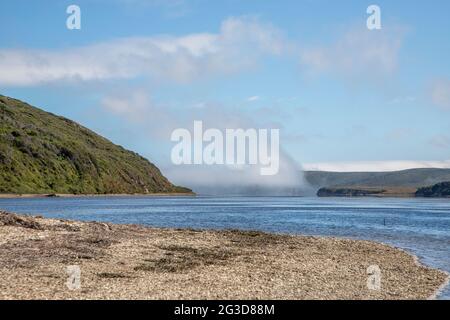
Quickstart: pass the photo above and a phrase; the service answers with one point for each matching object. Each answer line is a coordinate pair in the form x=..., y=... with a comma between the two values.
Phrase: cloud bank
x=245, y=180
x=157, y=123
x=238, y=46
x=359, y=53
x=374, y=166
x=440, y=93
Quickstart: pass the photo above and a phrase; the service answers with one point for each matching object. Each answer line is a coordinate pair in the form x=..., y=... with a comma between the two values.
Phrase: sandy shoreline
x=135, y=262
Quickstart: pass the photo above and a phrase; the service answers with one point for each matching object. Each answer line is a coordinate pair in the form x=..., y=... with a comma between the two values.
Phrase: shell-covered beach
x=135, y=262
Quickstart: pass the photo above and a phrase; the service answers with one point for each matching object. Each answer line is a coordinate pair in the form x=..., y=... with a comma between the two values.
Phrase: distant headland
x=427, y=182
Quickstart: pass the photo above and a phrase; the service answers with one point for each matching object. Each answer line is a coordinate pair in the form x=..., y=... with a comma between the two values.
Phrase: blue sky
x=340, y=94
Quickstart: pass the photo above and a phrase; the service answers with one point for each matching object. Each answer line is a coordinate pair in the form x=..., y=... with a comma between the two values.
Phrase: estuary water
x=420, y=226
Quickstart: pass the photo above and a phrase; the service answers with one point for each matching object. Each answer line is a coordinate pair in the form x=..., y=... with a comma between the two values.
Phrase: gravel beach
x=136, y=262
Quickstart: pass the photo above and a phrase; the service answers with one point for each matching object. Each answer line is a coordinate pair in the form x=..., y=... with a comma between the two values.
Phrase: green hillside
x=43, y=153
x=405, y=178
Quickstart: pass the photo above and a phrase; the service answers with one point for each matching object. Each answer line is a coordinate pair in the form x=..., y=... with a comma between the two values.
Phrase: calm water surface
x=421, y=226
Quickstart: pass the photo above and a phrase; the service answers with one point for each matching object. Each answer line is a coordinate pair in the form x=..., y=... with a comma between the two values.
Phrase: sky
x=344, y=97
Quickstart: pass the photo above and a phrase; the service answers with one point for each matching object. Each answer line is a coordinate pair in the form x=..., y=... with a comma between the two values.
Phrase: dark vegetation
x=347, y=192
x=41, y=153
x=182, y=258
x=439, y=190
x=179, y=258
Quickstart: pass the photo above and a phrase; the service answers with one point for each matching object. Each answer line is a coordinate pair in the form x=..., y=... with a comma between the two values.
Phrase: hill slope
x=406, y=178
x=44, y=153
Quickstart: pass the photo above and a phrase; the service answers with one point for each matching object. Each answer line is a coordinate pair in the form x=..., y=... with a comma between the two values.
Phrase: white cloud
x=254, y=98
x=440, y=141
x=402, y=100
x=440, y=93
x=156, y=122
x=400, y=134
x=238, y=46
x=374, y=166
x=134, y=106
x=358, y=53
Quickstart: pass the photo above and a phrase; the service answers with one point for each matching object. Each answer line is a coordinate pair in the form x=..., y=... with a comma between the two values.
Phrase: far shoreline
x=64, y=195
